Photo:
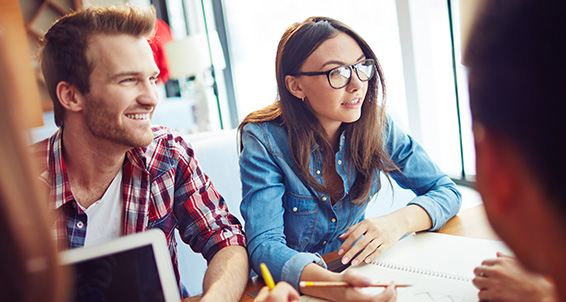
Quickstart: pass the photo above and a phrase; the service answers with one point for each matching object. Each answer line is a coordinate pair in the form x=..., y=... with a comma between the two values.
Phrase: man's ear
x=494, y=171
x=294, y=87
x=513, y=197
x=69, y=96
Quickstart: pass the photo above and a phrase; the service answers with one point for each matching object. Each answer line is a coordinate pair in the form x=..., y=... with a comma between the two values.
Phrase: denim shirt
x=288, y=225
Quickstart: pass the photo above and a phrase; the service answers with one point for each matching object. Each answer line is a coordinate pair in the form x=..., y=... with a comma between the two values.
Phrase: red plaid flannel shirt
x=163, y=187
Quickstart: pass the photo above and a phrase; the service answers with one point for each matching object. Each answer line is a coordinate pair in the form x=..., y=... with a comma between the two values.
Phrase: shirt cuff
x=431, y=207
x=234, y=237
x=293, y=268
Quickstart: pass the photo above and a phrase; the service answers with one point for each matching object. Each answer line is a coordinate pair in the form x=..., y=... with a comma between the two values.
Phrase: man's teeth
x=143, y=116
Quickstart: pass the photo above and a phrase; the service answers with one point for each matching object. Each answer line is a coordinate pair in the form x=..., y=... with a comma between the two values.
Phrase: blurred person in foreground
x=517, y=70
x=29, y=266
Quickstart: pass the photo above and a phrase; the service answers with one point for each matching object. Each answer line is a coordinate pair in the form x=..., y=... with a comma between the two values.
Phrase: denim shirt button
x=80, y=225
x=339, y=161
x=318, y=172
x=324, y=198
x=324, y=242
x=295, y=209
x=333, y=219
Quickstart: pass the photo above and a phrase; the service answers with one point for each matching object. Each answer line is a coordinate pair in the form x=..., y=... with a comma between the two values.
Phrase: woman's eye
x=340, y=71
x=334, y=72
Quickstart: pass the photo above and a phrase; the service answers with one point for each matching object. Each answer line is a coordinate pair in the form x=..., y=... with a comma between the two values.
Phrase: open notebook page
x=439, y=266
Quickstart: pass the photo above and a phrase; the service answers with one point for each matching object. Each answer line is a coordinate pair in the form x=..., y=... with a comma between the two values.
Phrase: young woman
x=311, y=162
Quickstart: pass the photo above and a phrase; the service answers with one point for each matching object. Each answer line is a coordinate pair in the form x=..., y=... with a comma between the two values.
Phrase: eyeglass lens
x=340, y=76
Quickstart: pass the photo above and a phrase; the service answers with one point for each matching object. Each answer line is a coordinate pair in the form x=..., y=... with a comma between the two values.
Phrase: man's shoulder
x=40, y=153
x=163, y=132
x=40, y=147
x=45, y=149
x=166, y=142
x=166, y=136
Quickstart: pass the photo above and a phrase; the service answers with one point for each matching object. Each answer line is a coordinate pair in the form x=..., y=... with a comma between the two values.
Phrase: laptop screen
x=123, y=270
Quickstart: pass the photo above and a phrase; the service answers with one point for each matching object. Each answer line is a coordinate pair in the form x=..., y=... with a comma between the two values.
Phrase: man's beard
x=101, y=125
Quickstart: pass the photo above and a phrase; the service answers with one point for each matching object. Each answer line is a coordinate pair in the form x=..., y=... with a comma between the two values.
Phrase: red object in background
x=162, y=36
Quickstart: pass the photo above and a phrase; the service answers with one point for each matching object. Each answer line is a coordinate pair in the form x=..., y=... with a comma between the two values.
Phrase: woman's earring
x=303, y=99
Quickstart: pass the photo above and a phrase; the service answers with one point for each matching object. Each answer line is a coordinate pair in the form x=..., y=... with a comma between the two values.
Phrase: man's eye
x=128, y=80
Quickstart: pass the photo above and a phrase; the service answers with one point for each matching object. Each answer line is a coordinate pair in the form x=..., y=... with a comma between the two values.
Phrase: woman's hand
x=376, y=235
x=505, y=279
x=283, y=292
x=354, y=292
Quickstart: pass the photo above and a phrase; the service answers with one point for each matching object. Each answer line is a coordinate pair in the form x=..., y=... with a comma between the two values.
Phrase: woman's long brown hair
x=365, y=136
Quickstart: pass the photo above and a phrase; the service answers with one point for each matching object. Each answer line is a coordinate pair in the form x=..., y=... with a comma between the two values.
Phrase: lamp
x=191, y=57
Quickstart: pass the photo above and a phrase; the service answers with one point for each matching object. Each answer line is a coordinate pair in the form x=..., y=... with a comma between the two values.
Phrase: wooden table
x=471, y=222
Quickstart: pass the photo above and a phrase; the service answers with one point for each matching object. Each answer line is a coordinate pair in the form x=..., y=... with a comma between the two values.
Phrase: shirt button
x=333, y=219
x=295, y=209
x=324, y=242
x=324, y=198
x=318, y=172
x=339, y=162
x=80, y=225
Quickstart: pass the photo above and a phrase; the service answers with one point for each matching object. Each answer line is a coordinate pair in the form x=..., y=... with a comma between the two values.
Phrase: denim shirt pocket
x=300, y=219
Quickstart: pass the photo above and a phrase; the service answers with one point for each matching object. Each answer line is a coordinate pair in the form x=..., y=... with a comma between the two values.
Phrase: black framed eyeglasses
x=339, y=77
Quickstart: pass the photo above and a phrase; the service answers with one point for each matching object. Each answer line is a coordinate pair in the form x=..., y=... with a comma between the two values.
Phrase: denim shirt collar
x=344, y=170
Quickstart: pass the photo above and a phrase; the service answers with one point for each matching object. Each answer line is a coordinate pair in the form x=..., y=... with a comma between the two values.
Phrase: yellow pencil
x=267, y=278
x=342, y=284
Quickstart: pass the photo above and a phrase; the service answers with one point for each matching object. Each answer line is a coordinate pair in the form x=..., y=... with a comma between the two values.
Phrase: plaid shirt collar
x=54, y=172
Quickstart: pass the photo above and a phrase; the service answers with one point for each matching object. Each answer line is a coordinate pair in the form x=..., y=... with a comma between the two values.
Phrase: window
x=415, y=41
x=255, y=27
x=437, y=102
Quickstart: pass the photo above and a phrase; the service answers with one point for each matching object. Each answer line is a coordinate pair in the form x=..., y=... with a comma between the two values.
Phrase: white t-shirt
x=104, y=216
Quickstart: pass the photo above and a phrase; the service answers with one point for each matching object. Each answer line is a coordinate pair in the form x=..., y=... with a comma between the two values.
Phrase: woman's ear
x=294, y=87
x=69, y=96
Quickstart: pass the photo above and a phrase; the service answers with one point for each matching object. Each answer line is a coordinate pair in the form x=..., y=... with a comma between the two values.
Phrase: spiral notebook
x=439, y=267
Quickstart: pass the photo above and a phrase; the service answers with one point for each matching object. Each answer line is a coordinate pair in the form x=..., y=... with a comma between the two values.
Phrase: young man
x=517, y=76
x=110, y=173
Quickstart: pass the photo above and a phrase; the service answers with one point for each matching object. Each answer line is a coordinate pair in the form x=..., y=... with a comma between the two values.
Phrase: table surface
x=470, y=222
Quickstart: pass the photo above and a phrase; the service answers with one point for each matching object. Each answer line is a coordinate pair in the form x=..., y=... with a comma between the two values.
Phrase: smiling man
x=109, y=172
